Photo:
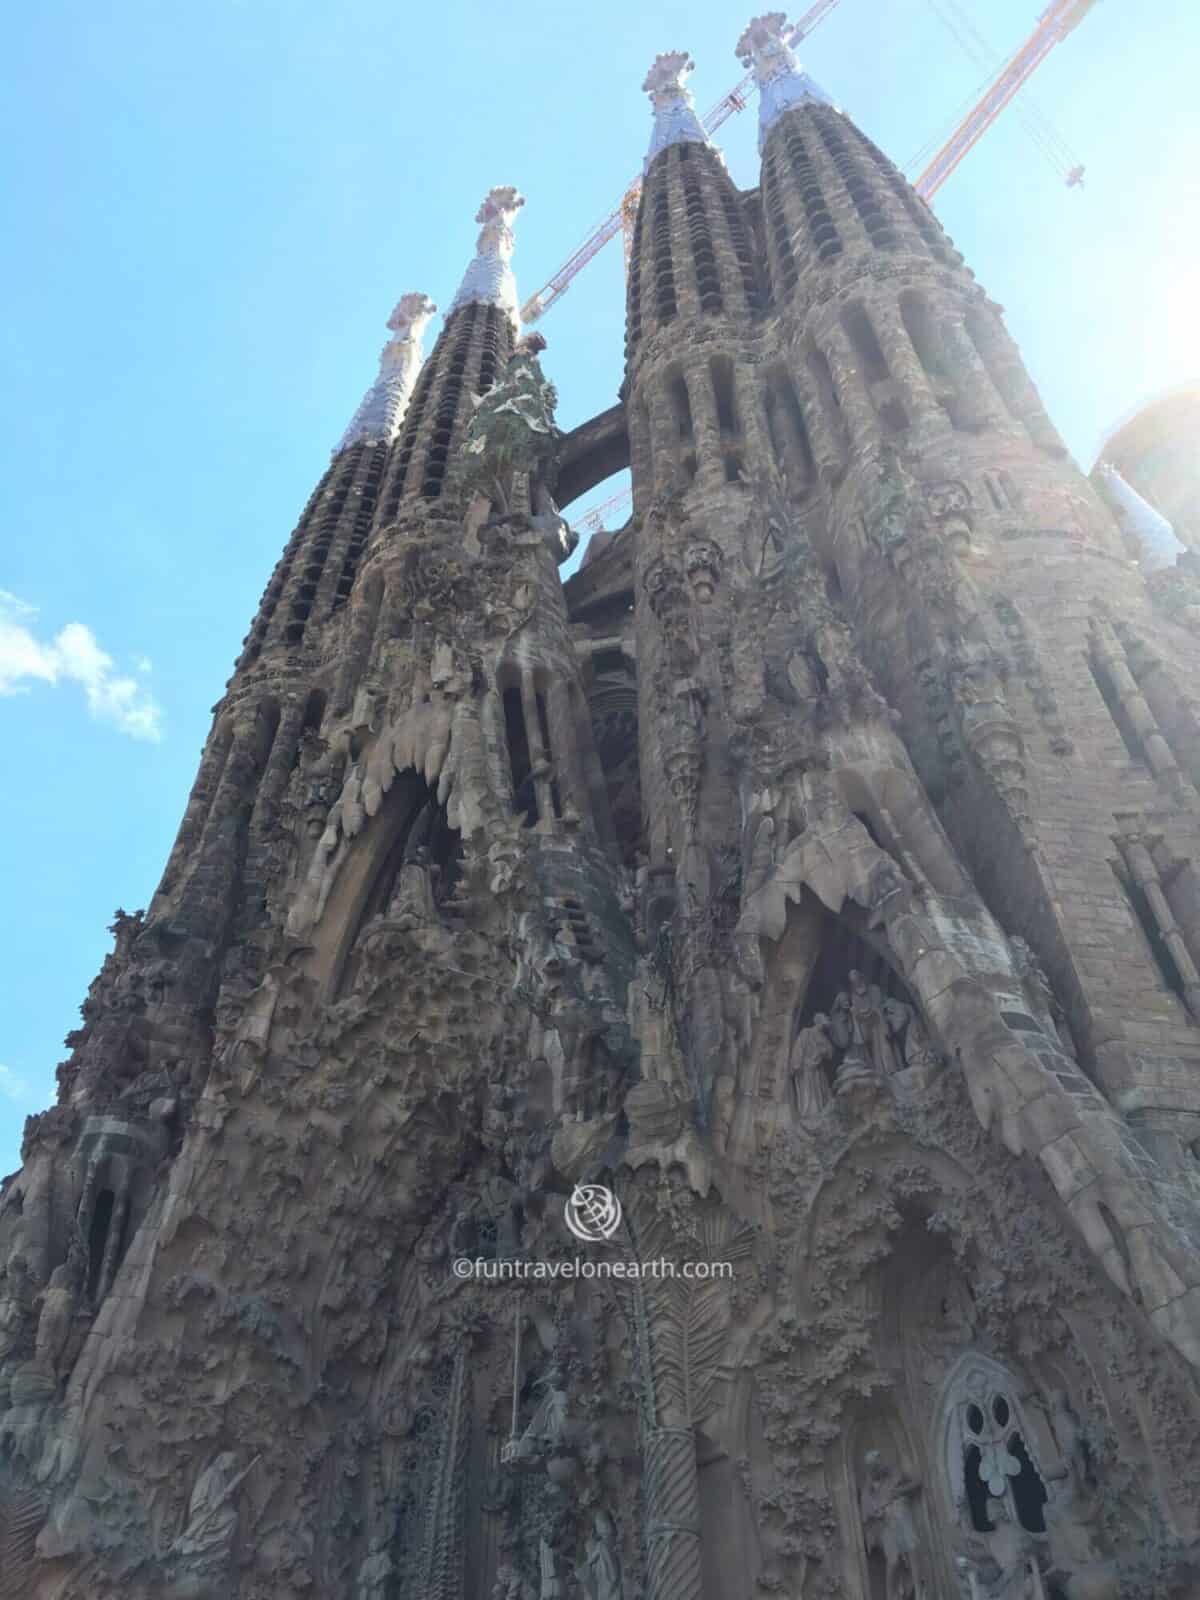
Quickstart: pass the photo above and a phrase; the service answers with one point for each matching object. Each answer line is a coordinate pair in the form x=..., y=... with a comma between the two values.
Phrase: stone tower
x=815, y=871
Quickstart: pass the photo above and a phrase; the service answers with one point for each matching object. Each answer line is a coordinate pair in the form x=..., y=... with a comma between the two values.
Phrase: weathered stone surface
x=817, y=870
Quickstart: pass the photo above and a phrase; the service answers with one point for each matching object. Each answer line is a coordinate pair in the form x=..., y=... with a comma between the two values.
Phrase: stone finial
x=1154, y=534
x=764, y=48
x=675, y=119
x=378, y=418
x=489, y=280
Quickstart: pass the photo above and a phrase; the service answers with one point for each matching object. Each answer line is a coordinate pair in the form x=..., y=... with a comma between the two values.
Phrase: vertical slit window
x=664, y=270
x=878, y=229
x=437, y=456
x=986, y=338
x=822, y=232
x=929, y=230
x=681, y=410
x=704, y=260
x=634, y=324
x=681, y=407
x=1108, y=691
x=722, y=380
x=548, y=750
x=1159, y=948
x=866, y=344
x=739, y=240
x=785, y=260
x=818, y=365
x=520, y=763
x=789, y=436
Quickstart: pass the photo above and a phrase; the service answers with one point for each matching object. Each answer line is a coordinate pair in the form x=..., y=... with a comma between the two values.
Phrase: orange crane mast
x=623, y=217
x=1055, y=23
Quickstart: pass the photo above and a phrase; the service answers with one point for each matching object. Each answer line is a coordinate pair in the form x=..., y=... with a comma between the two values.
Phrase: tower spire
x=381, y=411
x=782, y=84
x=1153, y=532
x=675, y=119
x=489, y=279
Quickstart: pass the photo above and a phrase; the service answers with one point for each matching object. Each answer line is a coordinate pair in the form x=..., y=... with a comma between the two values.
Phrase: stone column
x=982, y=404
x=851, y=385
x=710, y=456
x=673, y=1569
x=1133, y=848
x=916, y=393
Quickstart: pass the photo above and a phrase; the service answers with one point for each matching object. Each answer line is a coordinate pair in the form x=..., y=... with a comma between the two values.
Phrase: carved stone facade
x=817, y=869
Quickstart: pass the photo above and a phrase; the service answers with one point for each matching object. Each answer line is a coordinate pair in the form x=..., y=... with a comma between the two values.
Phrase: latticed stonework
x=817, y=869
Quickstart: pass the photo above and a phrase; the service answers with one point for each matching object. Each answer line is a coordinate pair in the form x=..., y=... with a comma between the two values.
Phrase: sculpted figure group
x=867, y=1039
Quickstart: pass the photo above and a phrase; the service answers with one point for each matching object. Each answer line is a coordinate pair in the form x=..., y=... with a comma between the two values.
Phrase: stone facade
x=816, y=870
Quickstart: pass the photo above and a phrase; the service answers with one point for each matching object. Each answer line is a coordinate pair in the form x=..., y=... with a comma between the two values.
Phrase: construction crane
x=622, y=218
x=1042, y=132
x=593, y=520
x=1059, y=19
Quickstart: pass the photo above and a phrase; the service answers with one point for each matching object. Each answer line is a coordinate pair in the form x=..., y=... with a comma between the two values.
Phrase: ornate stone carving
x=888, y=1526
x=764, y=48
x=675, y=119
x=489, y=279
x=382, y=409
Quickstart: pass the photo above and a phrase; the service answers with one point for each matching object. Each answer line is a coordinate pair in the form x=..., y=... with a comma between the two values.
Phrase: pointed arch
x=985, y=1449
x=368, y=854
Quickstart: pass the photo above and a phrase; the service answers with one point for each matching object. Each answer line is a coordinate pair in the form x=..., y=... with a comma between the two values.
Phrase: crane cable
x=1040, y=129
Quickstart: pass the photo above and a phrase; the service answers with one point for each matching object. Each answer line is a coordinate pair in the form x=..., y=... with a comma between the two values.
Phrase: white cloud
x=74, y=656
x=14, y=1088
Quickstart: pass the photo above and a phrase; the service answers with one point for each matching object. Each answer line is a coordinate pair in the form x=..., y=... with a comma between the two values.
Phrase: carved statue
x=513, y=430
x=888, y=1524
x=909, y=1041
x=510, y=1586
x=600, y=1573
x=810, y=1064
x=376, y=1572
x=16, y=1302
x=551, y=1587
x=990, y=1579
x=549, y=1427
x=59, y=1303
x=212, y=1513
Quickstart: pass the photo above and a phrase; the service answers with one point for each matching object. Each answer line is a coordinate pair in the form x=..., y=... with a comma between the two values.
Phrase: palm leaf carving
x=22, y=1513
x=688, y=1320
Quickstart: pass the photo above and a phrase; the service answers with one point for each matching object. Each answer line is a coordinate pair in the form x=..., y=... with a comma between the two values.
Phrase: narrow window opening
x=789, y=436
x=822, y=376
x=314, y=712
x=664, y=273
x=547, y=749
x=1028, y=1490
x=995, y=493
x=1159, y=948
x=98, y=1238
x=681, y=409
x=893, y=416
x=722, y=379
x=986, y=339
x=524, y=792
x=914, y=313
x=1133, y=745
x=977, y=1491
x=866, y=344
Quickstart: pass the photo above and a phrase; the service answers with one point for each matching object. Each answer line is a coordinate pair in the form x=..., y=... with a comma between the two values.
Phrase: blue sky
x=213, y=207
